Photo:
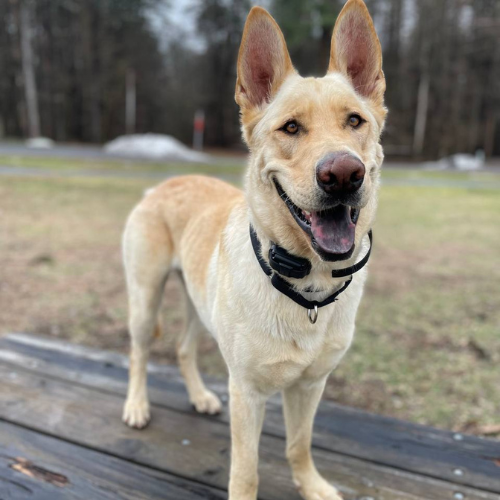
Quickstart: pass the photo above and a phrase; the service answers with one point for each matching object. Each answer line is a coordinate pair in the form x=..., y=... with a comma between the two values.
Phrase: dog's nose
x=340, y=173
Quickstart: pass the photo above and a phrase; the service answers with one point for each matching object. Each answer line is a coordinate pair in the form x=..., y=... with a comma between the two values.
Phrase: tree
x=72, y=68
x=308, y=28
x=67, y=61
x=30, y=89
x=221, y=25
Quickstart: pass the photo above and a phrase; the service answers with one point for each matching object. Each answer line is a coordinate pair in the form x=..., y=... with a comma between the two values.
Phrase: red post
x=199, y=129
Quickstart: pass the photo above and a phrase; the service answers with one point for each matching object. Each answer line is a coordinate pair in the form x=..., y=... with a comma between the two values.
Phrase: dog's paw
x=316, y=488
x=136, y=414
x=207, y=402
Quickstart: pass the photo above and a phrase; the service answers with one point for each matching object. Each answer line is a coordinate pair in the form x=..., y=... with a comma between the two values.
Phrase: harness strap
x=287, y=289
x=342, y=273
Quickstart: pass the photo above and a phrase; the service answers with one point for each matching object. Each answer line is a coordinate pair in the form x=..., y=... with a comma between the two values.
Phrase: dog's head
x=314, y=142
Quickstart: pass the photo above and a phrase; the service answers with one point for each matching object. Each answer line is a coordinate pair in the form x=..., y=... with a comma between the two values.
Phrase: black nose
x=340, y=173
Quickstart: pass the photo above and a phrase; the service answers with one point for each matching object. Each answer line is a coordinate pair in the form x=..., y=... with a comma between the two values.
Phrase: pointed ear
x=356, y=51
x=263, y=60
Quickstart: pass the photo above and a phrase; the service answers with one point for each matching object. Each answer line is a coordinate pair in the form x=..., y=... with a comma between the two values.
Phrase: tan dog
x=311, y=188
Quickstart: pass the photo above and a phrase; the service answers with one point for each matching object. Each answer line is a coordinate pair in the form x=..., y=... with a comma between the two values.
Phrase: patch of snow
x=40, y=143
x=459, y=161
x=154, y=147
x=442, y=164
x=468, y=162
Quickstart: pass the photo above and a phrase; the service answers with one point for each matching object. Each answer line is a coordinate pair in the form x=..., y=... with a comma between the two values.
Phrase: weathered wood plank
x=469, y=460
x=35, y=466
x=192, y=447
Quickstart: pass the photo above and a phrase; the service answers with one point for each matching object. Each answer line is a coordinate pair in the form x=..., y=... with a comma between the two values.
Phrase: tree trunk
x=489, y=133
x=30, y=89
x=130, y=102
x=91, y=91
x=421, y=117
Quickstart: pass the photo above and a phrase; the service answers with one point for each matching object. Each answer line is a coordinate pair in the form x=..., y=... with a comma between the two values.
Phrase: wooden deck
x=61, y=438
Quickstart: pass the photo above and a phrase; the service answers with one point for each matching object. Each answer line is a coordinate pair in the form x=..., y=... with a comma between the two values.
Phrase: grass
x=427, y=346
x=118, y=165
x=446, y=175
x=427, y=340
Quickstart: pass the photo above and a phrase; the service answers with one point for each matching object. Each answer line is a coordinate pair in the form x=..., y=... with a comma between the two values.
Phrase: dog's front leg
x=247, y=414
x=300, y=403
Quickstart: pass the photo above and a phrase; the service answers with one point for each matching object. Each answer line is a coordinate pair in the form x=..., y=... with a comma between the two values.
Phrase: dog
x=274, y=272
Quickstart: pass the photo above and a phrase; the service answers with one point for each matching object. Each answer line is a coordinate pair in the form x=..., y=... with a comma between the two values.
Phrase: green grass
x=427, y=346
x=118, y=165
x=415, y=174
x=428, y=327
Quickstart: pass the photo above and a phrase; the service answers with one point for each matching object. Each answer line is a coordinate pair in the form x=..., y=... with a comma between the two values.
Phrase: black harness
x=281, y=263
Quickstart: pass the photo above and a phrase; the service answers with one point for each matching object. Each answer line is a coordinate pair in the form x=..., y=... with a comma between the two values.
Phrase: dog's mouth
x=331, y=231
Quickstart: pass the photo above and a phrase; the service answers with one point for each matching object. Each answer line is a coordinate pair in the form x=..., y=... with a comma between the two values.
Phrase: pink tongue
x=333, y=230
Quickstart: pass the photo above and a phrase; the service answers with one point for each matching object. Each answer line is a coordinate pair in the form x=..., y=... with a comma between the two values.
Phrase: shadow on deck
x=61, y=437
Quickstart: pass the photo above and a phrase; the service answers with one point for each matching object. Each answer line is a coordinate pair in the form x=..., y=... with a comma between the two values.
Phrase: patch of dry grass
x=427, y=347
x=231, y=167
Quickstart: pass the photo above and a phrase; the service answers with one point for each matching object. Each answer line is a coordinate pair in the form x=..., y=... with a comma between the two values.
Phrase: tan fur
x=282, y=63
x=200, y=227
x=158, y=333
x=356, y=11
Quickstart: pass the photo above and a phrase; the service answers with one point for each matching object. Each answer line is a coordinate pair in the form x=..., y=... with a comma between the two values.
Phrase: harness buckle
x=312, y=314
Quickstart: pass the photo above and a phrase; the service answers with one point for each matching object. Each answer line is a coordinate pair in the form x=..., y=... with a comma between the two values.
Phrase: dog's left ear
x=263, y=60
x=356, y=51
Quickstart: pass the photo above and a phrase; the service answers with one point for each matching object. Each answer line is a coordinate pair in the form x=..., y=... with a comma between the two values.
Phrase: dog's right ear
x=263, y=60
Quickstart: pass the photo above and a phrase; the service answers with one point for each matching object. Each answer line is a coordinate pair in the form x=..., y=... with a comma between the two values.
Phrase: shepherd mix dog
x=310, y=188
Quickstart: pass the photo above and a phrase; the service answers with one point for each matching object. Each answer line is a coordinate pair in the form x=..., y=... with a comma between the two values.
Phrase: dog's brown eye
x=291, y=127
x=355, y=121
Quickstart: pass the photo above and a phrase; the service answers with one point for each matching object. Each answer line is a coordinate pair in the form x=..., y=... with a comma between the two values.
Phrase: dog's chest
x=280, y=363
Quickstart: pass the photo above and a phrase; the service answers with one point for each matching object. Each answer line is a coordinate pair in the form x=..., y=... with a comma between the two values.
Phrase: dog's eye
x=291, y=127
x=355, y=121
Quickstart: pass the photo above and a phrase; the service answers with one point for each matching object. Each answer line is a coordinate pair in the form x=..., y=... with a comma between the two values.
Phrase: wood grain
x=65, y=471
x=348, y=431
x=185, y=445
